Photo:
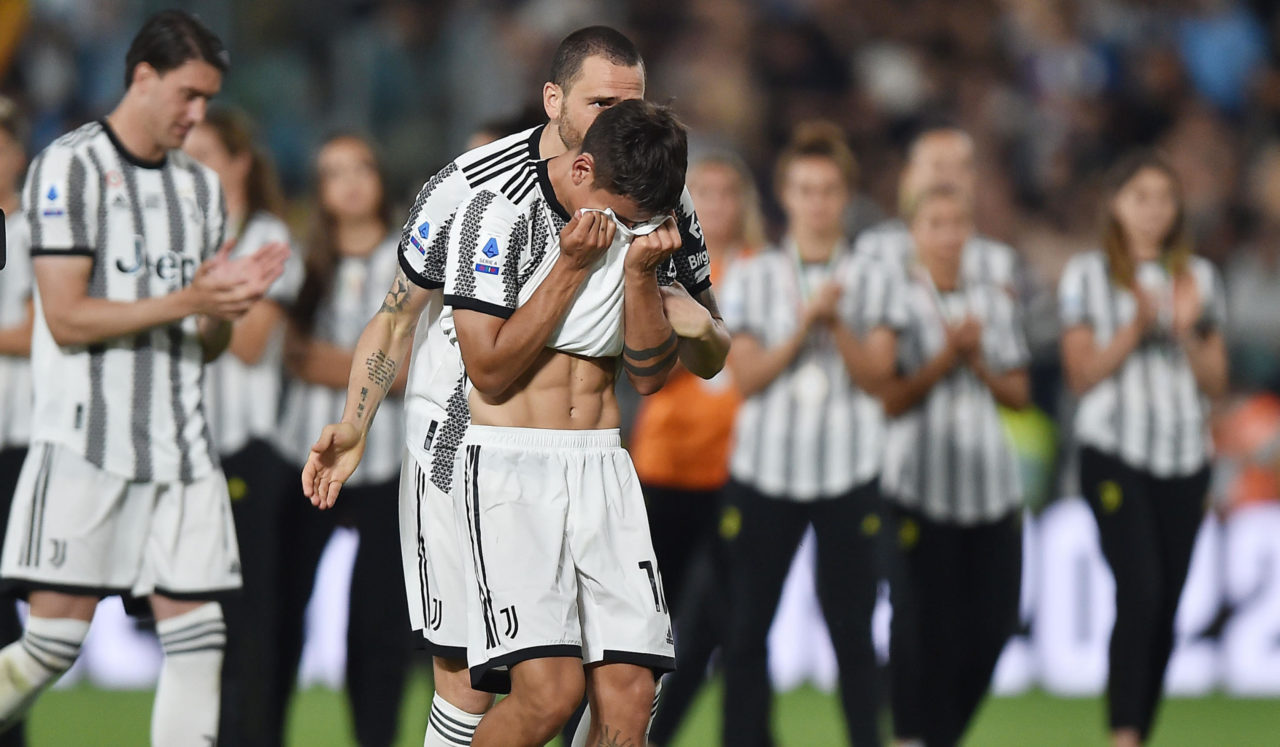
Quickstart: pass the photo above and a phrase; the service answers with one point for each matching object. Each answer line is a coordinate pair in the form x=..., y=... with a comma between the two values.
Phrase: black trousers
x=955, y=592
x=1148, y=529
x=700, y=630
x=10, y=627
x=281, y=541
x=760, y=554
x=681, y=522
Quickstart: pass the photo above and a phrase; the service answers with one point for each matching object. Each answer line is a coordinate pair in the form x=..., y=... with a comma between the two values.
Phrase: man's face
x=176, y=101
x=941, y=158
x=599, y=85
x=586, y=193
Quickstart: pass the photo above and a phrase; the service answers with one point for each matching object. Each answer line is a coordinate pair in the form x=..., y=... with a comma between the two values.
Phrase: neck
x=562, y=181
x=9, y=201
x=815, y=246
x=550, y=144
x=1143, y=252
x=945, y=271
x=237, y=204
x=358, y=238
x=129, y=129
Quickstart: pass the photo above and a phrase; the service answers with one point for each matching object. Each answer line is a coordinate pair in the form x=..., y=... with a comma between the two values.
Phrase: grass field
x=804, y=718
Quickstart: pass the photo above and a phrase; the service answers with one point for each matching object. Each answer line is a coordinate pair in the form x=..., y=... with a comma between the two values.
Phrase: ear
x=143, y=74
x=552, y=99
x=582, y=170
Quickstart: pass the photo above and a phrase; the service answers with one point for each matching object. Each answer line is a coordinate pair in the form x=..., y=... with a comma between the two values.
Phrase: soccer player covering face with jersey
x=121, y=491
x=562, y=567
x=592, y=69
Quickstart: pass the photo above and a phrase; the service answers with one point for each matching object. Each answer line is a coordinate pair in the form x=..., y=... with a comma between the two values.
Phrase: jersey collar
x=124, y=152
x=548, y=193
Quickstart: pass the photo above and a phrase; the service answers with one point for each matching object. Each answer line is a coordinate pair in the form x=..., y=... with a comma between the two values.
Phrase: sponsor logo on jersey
x=52, y=194
x=700, y=259
x=490, y=249
x=424, y=230
x=169, y=266
x=52, y=211
x=486, y=269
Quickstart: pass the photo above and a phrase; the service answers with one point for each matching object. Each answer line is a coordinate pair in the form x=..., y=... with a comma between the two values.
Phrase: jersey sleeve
x=867, y=299
x=265, y=229
x=424, y=239
x=1073, y=302
x=691, y=264
x=60, y=201
x=215, y=214
x=484, y=247
x=1213, y=314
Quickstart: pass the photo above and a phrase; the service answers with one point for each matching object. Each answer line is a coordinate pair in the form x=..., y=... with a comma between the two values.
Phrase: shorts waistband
x=543, y=438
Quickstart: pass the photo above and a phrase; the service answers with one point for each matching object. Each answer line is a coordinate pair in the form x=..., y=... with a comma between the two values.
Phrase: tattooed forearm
x=646, y=354
x=612, y=738
x=381, y=370
x=636, y=369
x=398, y=296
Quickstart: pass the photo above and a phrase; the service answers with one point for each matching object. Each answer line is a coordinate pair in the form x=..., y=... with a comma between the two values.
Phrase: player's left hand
x=651, y=250
x=333, y=459
x=251, y=276
x=1188, y=306
x=686, y=316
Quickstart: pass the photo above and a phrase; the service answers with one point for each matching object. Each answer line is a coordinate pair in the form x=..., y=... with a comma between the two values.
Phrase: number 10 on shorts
x=655, y=584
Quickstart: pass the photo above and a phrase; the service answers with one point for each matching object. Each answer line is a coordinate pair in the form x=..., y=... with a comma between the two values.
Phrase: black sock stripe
x=446, y=729
x=50, y=641
x=468, y=728
x=209, y=637
x=53, y=652
x=435, y=725
x=41, y=659
x=192, y=626
x=195, y=649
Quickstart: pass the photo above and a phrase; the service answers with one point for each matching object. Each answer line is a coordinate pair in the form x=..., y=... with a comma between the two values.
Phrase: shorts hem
x=658, y=663
x=482, y=674
x=200, y=595
x=443, y=651
x=20, y=588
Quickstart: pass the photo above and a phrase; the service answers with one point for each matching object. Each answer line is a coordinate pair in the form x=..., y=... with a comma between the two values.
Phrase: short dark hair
x=641, y=151
x=170, y=38
x=591, y=41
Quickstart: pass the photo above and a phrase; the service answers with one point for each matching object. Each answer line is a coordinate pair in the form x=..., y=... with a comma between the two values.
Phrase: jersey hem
x=475, y=304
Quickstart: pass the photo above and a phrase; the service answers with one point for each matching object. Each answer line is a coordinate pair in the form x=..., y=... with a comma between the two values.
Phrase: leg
x=10, y=627
x=679, y=521
x=192, y=635
x=1118, y=498
x=760, y=555
x=1177, y=520
x=905, y=676
x=456, y=708
x=931, y=568
x=249, y=677
x=699, y=631
x=847, y=577
x=621, y=701
x=56, y=628
x=544, y=693
x=989, y=611
x=378, y=642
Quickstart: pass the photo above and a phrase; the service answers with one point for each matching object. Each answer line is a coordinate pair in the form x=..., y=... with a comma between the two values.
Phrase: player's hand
x=1145, y=314
x=225, y=288
x=686, y=316
x=651, y=250
x=967, y=336
x=333, y=459
x=1188, y=305
x=822, y=307
x=585, y=238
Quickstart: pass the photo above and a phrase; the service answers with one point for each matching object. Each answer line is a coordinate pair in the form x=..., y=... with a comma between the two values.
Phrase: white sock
x=47, y=648
x=584, y=725
x=449, y=725
x=186, y=706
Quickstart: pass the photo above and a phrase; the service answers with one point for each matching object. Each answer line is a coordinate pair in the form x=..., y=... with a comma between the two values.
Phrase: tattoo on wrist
x=360, y=408
x=610, y=737
x=397, y=297
x=381, y=370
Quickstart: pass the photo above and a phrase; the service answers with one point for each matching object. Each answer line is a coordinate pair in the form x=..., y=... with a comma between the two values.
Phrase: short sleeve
x=1073, y=302
x=691, y=264
x=60, y=200
x=868, y=299
x=216, y=215
x=265, y=229
x=1214, y=313
x=483, y=256
x=1004, y=342
x=424, y=238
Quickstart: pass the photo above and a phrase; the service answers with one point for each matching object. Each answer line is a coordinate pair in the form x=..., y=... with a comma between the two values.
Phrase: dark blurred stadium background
x=1052, y=91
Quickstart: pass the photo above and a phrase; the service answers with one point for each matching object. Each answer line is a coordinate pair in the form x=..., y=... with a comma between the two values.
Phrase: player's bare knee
x=548, y=692
x=453, y=683
x=618, y=690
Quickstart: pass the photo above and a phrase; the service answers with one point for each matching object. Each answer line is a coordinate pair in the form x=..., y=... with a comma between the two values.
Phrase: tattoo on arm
x=614, y=739
x=398, y=296
x=656, y=368
x=646, y=354
x=381, y=370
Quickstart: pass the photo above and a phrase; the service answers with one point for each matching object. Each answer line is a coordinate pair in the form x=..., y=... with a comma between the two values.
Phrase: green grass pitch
x=803, y=718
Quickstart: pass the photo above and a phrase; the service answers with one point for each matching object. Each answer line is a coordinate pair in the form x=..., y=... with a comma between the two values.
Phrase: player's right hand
x=225, y=288
x=822, y=307
x=585, y=238
x=333, y=459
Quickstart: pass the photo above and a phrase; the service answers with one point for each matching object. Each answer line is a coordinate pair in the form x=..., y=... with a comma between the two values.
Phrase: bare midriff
x=560, y=391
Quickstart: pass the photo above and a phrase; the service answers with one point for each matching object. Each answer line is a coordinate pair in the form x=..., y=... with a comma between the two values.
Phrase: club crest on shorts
x=512, y=620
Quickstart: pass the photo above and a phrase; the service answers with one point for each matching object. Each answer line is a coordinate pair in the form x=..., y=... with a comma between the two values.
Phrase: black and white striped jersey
x=985, y=261
x=949, y=456
x=134, y=405
x=15, y=372
x=358, y=288
x=243, y=399
x=811, y=433
x=436, y=397
x=1150, y=413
